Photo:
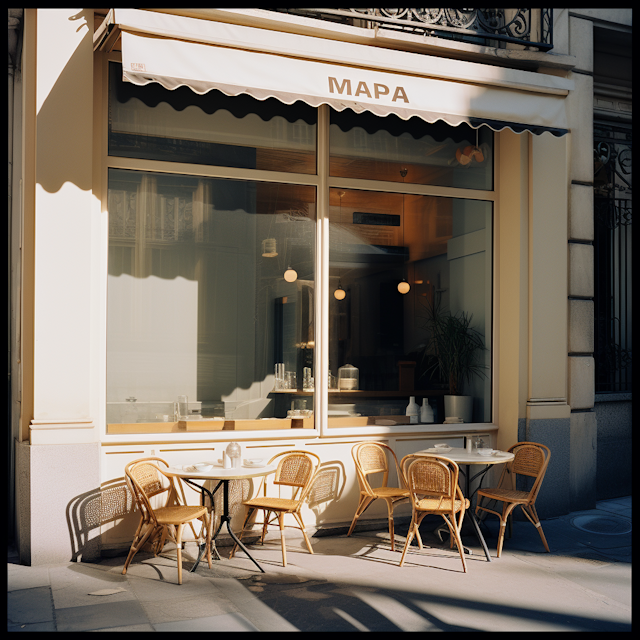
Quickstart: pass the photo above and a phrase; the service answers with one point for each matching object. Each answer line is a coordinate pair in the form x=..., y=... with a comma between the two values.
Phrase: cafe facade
x=241, y=225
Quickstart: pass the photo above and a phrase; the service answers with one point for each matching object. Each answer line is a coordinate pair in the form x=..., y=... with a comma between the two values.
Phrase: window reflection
x=195, y=307
x=442, y=248
x=154, y=123
x=366, y=146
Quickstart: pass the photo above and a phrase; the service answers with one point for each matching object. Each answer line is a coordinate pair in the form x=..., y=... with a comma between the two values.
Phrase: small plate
x=485, y=452
x=439, y=450
x=253, y=466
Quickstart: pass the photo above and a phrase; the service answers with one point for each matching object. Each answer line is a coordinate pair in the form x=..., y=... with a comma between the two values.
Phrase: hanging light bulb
x=290, y=275
x=403, y=285
x=339, y=293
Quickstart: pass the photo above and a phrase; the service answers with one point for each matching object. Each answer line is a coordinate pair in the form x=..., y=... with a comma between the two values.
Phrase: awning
x=202, y=66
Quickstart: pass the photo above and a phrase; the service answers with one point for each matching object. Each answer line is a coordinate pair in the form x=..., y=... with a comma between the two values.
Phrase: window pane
x=442, y=248
x=367, y=146
x=197, y=301
x=154, y=123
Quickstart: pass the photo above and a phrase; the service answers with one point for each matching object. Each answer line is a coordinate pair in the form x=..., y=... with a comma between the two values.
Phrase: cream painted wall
x=548, y=212
x=511, y=284
x=63, y=226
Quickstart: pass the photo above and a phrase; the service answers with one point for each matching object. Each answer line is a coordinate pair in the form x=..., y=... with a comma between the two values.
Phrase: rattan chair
x=433, y=487
x=370, y=458
x=146, y=479
x=297, y=470
x=531, y=459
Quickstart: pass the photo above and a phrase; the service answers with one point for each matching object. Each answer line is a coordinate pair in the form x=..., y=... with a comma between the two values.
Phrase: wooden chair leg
x=407, y=543
x=536, y=523
x=298, y=517
x=455, y=533
x=282, y=539
x=390, y=510
x=265, y=524
x=364, y=503
x=179, y=551
x=506, y=510
x=136, y=545
x=414, y=530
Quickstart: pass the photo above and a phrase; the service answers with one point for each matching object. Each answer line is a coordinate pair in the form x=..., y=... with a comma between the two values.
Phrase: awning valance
x=172, y=62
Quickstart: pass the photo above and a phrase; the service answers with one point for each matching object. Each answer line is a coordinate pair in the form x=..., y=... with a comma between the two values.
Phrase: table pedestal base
x=224, y=518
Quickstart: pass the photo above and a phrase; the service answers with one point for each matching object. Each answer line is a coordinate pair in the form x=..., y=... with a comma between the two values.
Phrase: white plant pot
x=459, y=407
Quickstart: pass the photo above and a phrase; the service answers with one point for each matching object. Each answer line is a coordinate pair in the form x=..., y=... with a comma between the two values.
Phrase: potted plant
x=452, y=352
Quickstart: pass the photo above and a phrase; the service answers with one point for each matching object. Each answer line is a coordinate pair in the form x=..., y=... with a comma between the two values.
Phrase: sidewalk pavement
x=352, y=584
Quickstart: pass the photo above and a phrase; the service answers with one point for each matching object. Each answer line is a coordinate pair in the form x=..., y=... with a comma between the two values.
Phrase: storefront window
x=441, y=248
x=154, y=123
x=198, y=303
x=369, y=147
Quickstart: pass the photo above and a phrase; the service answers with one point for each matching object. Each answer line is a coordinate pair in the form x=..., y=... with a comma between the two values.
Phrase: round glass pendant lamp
x=339, y=293
x=403, y=285
x=290, y=275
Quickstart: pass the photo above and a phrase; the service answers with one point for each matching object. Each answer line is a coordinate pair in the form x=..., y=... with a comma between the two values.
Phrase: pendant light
x=290, y=275
x=403, y=285
x=340, y=293
x=469, y=153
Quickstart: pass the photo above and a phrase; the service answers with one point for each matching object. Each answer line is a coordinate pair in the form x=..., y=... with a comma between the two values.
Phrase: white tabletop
x=220, y=473
x=462, y=456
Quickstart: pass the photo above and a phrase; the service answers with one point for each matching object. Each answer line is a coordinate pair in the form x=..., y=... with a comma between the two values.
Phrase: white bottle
x=412, y=410
x=426, y=412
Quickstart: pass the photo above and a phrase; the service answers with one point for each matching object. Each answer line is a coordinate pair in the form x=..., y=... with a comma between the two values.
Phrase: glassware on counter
x=348, y=378
x=234, y=452
x=183, y=407
x=279, y=371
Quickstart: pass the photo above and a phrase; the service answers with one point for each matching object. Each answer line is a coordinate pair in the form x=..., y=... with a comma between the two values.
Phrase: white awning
x=202, y=66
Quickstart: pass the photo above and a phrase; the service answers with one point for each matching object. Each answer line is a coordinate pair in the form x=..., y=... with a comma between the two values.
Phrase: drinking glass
x=183, y=407
x=279, y=370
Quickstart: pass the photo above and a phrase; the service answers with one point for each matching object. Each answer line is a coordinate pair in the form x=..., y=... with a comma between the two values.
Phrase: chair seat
x=434, y=504
x=390, y=492
x=272, y=504
x=178, y=515
x=510, y=495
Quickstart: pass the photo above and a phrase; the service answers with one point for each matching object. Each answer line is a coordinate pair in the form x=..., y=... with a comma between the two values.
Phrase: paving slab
x=349, y=584
x=101, y=616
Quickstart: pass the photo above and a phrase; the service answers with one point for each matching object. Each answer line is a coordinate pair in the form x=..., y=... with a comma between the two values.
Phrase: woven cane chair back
x=371, y=458
x=432, y=477
x=531, y=459
x=296, y=469
x=145, y=481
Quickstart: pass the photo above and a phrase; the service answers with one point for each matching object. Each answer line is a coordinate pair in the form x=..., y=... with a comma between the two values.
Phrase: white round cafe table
x=463, y=457
x=188, y=473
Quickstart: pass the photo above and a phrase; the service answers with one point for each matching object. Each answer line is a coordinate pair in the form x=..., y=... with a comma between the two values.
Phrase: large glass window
x=154, y=123
x=198, y=303
x=441, y=249
x=211, y=288
x=367, y=146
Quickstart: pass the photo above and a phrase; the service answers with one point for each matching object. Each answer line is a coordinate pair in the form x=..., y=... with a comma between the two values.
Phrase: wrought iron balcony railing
x=532, y=28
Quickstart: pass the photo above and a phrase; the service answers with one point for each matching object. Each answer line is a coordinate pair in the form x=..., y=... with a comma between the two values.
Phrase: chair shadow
x=327, y=486
x=88, y=512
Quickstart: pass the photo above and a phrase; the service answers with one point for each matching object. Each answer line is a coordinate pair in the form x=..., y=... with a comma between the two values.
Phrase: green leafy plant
x=452, y=348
